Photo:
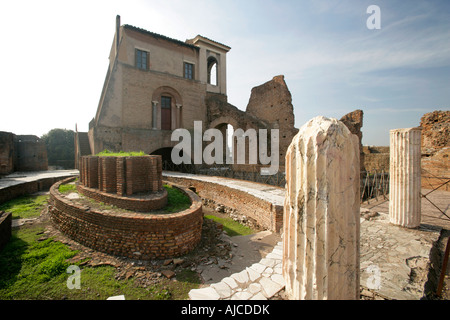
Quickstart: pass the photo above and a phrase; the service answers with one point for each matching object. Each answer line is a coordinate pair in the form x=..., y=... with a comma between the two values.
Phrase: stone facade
x=322, y=212
x=153, y=86
x=140, y=106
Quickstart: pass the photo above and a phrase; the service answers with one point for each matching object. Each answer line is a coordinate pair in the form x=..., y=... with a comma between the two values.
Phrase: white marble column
x=405, y=177
x=321, y=213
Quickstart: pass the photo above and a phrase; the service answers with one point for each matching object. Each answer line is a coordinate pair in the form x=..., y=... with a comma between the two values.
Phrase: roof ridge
x=154, y=34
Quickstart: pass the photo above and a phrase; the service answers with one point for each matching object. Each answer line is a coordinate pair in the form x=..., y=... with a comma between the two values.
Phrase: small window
x=189, y=71
x=142, y=59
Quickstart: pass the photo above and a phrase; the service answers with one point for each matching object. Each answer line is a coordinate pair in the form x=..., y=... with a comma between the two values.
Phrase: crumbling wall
x=22, y=153
x=435, y=149
x=6, y=152
x=272, y=103
x=30, y=153
x=376, y=158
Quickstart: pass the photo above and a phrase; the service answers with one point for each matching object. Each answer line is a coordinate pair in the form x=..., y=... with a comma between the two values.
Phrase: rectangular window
x=142, y=59
x=189, y=71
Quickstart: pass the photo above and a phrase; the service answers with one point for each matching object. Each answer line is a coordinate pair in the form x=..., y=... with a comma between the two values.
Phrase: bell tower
x=212, y=64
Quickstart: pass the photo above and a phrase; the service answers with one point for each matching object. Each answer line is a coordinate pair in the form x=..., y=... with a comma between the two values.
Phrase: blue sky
x=54, y=56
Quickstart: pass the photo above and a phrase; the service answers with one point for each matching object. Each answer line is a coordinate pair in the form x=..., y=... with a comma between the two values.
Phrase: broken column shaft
x=321, y=213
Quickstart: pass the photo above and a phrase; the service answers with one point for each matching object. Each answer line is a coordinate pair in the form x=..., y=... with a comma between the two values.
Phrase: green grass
x=36, y=268
x=176, y=200
x=32, y=269
x=107, y=153
x=67, y=188
x=25, y=206
x=231, y=227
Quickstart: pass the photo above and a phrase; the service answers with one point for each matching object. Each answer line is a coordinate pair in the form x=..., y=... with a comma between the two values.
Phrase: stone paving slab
x=260, y=281
x=395, y=261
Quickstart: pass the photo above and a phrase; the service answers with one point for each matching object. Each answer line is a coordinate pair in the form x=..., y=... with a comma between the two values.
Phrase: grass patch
x=176, y=200
x=29, y=268
x=33, y=269
x=107, y=153
x=25, y=206
x=67, y=188
x=231, y=227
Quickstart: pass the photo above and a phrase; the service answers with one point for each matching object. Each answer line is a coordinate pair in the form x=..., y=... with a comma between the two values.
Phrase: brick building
x=155, y=84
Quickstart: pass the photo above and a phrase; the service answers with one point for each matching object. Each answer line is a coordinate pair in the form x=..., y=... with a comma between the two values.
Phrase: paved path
x=262, y=191
x=23, y=177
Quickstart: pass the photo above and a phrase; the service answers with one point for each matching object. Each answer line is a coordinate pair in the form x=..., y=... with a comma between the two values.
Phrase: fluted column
x=321, y=213
x=405, y=177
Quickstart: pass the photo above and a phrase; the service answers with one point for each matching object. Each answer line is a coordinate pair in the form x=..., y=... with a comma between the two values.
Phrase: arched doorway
x=167, y=163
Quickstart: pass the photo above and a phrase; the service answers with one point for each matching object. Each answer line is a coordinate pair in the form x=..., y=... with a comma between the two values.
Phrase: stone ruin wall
x=21, y=153
x=435, y=149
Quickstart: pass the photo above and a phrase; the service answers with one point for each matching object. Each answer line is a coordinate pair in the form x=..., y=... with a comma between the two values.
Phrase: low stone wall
x=267, y=215
x=5, y=228
x=132, y=235
x=29, y=187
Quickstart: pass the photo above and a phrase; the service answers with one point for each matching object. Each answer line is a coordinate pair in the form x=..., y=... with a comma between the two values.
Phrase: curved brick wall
x=132, y=235
x=150, y=202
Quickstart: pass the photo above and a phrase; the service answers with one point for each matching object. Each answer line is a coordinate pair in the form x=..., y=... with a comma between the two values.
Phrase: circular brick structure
x=134, y=235
x=132, y=183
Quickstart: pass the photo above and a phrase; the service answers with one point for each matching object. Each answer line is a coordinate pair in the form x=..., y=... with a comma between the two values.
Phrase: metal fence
x=374, y=185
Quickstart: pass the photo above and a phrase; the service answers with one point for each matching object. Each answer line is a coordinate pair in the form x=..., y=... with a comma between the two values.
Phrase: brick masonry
x=267, y=215
x=114, y=180
x=5, y=228
x=132, y=235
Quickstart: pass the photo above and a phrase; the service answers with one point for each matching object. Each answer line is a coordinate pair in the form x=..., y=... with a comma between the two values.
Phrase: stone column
x=154, y=115
x=405, y=177
x=321, y=213
x=179, y=115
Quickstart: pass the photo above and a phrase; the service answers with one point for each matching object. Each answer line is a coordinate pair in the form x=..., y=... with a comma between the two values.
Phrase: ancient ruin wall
x=272, y=103
x=435, y=149
x=265, y=214
x=114, y=180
